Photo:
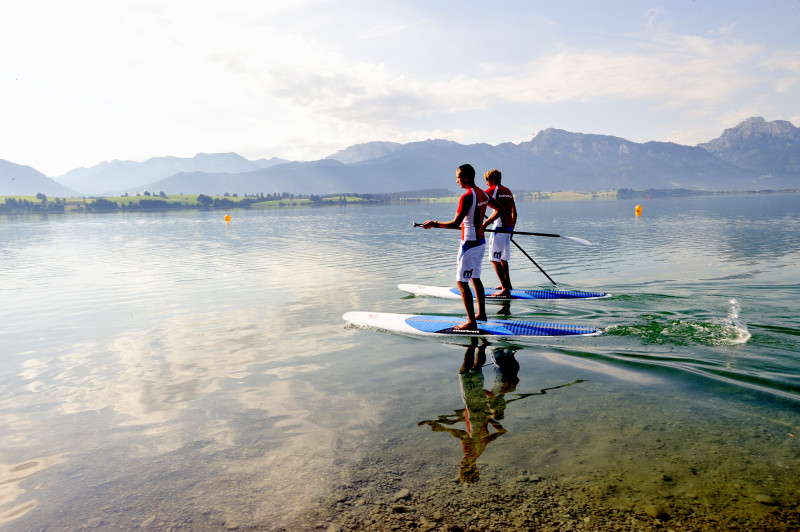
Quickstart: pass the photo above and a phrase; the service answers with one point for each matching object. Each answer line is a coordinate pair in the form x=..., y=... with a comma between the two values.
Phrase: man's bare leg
x=479, y=292
x=474, y=359
x=466, y=296
x=507, y=273
x=501, y=268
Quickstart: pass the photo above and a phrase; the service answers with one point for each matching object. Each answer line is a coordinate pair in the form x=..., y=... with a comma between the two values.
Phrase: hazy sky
x=82, y=82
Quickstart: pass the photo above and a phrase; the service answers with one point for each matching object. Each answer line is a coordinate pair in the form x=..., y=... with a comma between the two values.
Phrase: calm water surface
x=171, y=370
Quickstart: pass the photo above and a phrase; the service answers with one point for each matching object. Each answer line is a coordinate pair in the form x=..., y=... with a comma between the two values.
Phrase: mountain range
x=754, y=155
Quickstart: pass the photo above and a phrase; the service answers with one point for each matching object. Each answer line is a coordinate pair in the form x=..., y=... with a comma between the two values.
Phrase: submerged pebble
x=766, y=499
x=401, y=495
x=656, y=512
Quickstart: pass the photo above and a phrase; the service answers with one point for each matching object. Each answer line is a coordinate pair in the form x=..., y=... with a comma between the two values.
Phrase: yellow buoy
x=227, y=217
x=638, y=210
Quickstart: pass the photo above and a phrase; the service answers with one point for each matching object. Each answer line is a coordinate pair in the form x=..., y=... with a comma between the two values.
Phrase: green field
x=42, y=204
x=39, y=203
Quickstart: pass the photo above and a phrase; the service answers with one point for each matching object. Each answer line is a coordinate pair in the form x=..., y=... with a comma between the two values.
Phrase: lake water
x=171, y=371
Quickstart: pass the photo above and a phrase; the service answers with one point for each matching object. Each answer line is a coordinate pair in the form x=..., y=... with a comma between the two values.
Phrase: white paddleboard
x=442, y=326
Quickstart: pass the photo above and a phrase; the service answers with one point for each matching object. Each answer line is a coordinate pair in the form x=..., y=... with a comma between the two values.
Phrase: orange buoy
x=638, y=210
x=227, y=217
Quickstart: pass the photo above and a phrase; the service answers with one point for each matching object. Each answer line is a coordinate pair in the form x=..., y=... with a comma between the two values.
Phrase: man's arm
x=513, y=212
x=463, y=207
x=498, y=211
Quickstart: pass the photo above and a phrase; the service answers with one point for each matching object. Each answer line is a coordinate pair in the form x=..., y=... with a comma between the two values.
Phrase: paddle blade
x=578, y=240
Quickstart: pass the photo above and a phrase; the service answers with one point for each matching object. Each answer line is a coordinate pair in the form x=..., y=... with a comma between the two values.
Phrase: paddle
x=570, y=238
x=579, y=240
x=534, y=262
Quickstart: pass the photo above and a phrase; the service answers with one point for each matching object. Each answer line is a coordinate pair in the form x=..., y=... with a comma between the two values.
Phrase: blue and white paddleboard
x=453, y=293
x=442, y=326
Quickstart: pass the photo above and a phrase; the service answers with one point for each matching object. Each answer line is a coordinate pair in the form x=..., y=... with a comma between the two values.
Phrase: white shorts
x=501, y=246
x=470, y=257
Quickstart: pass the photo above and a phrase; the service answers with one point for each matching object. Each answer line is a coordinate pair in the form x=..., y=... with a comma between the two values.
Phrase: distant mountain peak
x=754, y=127
x=365, y=151
x=118, y=176
x=18, y=179
x=772, y=148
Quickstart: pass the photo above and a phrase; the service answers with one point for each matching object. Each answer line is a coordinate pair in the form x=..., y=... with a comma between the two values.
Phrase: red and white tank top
x=472, y=225
x=505, y=198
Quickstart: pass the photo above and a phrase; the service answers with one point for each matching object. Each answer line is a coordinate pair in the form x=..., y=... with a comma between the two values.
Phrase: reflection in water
x=483, y=409
x=504, y=308
x=476, y=414
x=11, y=476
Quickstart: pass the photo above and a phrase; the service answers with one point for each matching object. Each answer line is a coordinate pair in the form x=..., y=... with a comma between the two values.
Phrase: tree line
x=155, y=202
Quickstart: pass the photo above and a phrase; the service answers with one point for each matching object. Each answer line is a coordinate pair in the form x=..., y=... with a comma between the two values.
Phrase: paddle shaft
x=521, y=233
x=533, y=261
x=520, y=247
x=572, y=238
x=500, y=231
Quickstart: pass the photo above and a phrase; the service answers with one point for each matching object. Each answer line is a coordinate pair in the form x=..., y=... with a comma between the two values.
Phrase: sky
x=83, y=82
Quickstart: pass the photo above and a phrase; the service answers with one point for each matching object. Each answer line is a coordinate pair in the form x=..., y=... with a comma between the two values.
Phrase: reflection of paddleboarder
x=483, y=409
x=506, y=370
x=476, y=415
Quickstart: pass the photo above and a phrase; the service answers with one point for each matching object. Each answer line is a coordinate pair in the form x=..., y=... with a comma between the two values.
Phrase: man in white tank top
x=469, y=216
x=504, y=223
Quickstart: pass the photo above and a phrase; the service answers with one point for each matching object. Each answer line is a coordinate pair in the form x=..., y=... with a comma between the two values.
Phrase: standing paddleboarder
x=469, y=216
x=504, y=222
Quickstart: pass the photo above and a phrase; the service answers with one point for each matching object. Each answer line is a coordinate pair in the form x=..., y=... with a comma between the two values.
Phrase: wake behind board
x=442, y=326
x=453, y=293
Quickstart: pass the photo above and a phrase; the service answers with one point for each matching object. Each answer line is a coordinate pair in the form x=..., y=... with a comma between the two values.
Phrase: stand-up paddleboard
x=442, y=326
x=453, y=293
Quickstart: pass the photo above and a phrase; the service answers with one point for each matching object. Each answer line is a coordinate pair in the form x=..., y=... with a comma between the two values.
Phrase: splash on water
x=741, y=334
x=654, y=329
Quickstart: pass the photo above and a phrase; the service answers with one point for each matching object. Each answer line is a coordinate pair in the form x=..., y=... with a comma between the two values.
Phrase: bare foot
x=480, y=318
x=466, y=326
x=501, y=293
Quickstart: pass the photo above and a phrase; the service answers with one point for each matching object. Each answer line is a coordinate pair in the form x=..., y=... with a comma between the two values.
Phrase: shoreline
x=612, y=459
x=512, y=500
x=40, y=204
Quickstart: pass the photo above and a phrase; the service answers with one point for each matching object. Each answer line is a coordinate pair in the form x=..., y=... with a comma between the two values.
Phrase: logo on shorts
x=497, y=254
x=467, y=274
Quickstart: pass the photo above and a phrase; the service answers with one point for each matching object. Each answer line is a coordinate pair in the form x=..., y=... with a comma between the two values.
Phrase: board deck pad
x=453, y=293
x=442, y=326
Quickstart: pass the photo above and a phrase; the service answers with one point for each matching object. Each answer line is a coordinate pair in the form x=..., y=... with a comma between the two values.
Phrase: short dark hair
x=494, y=176
x=467, y=171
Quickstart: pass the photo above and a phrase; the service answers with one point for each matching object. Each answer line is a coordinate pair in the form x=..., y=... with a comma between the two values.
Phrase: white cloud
x=651, y=15
x=92, y=81
x=723, y=30
x=673, y=70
